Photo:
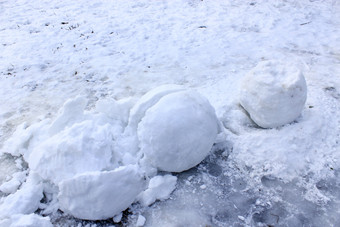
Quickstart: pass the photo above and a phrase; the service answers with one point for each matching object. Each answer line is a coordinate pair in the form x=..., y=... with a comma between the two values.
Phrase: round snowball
x=273, y=93
x=178, y=132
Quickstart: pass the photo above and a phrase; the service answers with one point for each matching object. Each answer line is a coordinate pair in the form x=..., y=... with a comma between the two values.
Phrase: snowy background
x=52, y=51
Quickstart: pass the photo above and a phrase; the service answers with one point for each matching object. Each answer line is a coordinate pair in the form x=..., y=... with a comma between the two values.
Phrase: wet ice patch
x=178, y=217
x=273, y=93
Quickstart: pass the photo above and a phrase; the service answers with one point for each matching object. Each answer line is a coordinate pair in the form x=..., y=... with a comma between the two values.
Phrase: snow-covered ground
x=105, y=55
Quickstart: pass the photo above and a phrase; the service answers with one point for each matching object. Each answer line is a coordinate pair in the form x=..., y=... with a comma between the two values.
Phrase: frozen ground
x=287, y=176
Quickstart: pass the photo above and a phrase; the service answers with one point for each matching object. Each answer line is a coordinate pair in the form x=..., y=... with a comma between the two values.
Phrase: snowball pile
x=273, y=93
x=85, y=167
x=94, y=165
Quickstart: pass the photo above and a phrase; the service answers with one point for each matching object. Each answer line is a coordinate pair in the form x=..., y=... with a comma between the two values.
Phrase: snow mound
x=178, y=131
x=100, y=195
x=273, y=93
x=89, y=160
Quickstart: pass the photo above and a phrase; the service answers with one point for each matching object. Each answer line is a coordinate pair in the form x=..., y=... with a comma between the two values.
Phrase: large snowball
x=147, y=101
x=100, y=195
x=178, y=131
x=273, y=93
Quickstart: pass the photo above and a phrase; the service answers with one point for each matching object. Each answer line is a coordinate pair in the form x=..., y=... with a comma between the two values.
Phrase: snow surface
x=113, y=52
x=273, y=93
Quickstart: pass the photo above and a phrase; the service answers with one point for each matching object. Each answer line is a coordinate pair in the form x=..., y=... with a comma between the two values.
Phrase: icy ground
x=288, y=176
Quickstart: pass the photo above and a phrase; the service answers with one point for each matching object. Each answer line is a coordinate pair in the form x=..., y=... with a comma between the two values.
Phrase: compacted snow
x=177, y=133
x=273, y=93
x=169, y=113
x=108, y=193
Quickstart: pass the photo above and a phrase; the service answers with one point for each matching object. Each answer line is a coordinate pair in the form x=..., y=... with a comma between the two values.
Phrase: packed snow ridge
x=104, y=158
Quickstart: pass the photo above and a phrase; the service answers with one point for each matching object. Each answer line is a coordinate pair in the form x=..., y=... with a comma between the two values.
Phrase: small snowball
x=160, y=187
x=273, y=93
x=118, y=217
x=178, y=131
x=100, y=195
x=140, y=221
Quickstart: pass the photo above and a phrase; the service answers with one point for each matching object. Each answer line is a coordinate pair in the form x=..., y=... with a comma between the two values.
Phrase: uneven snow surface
x=72, y=74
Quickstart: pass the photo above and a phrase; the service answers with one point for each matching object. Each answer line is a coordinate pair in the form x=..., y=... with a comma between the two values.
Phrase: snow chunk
x=115, y=109
x=29, y=220
x=117, y=218
x=82, y=147
x=100, y=195
x=24, y=201
x=140, y=221
x=178, y=132
x=160, y=187
x=12, y=185
x=273, y=93
x=72, y=111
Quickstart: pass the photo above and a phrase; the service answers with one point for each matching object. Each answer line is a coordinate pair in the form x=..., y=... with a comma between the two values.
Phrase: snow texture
x=108, y=193
x=177, y=133
x=104, y=56
x=273, y=93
